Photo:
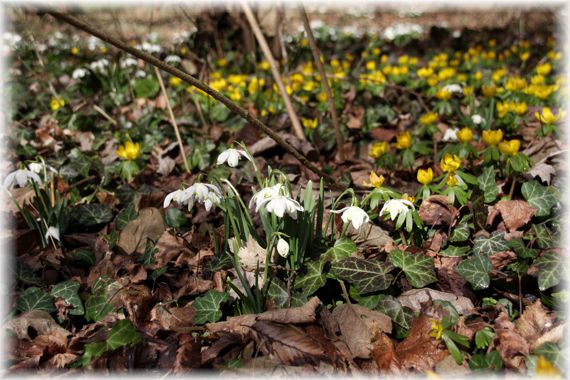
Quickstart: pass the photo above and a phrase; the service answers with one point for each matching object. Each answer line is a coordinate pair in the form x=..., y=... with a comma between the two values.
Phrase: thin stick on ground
x=324, y=80
x=173, y=120
x=198, y=84
x=297, y=128
x=104, y=114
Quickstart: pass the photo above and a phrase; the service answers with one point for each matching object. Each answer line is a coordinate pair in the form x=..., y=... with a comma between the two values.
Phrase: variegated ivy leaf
x=550, y=270
x=454, y=251
x=68, y=290
x=278, y=292
x=543, y=236
x=543, y=198
x=392, y=308
x=489, y=245
x=34, y=298
x=476, y=270
x=418, y=268
x=365, y=275
x=460, y=233
x=488, y=184
x=342, y=249
x=208, y=306
x=311, y=281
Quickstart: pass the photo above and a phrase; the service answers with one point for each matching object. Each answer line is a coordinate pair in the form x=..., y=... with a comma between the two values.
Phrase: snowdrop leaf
x=418, y=268
x=365, y=275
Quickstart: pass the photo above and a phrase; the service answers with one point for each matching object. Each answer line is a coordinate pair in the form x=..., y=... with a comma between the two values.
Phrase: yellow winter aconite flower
x=222, y=62
x=310, y=123
x=446, y=73
x=371, y=65
x=515, y=84
x=511, y=106
x=436, y=329
x=451, y=179
x=544, y=368
x=322, y=97
x=425, y=176
x=129, y=151
x=264, y=65
x=376, y=180
x=468, y=90
x=489, y=91
x=547, y=117
x=378, y=149
x=465, y=135
x=443, y=94
x=525, y=56
x=425, y=72
x=404, y=140
x=450, y=162
x=174, y=81
x=510, y=148
x=255, y=85
x=498, y=75
x=74, y=51
x=492, y=137
x=56, y=104
x=428, y=118
x=544, y=69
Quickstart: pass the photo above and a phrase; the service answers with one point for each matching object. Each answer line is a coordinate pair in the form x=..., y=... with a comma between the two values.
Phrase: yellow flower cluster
x=505, y=107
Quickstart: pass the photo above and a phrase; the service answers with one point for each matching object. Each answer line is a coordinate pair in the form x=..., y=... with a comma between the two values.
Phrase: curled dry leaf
x=419, y=350
x=288, y=344
x=359, y=326
x=148, y=225
x=512, y=347
x=251, y=255
x=552, y=336
x=369, y=235
x=534, y=322
x=168, y=247
x=436, y=210
x=515, y=214
x=502, y=259
x=384, y=353
x=40, y=320
x=415, y=297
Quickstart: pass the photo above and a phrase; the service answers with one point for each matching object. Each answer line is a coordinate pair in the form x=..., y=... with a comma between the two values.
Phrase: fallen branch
x=325, y=80
x=196, y=83
x=297, y=129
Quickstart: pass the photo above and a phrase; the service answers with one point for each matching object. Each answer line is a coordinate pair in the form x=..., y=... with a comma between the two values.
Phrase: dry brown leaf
x=148, y=225
x=502, y=259
x=448, y=367
x=355, y=117
x=168, y=247
x=436, y=210
x=384, y=354
x=288, y=344
x=415, y=297
x=419, y=350
x=534, y=322
x=41, y=321
x=552, y=336
x=59, y=361
x=218, y=346
x=542, y=170
x=512, y=347
x=359, y=326
x=251, y=255
x=187, y=355
x=85, y=140
x=369, y=235
x=515, y=214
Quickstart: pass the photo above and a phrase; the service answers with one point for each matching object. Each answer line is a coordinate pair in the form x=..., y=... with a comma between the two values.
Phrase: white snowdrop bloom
x=20, y=177
x=99, y=65
x=450, y=134
x=282, y=248
x=52, y=232
x=10, y=41
x=79, y=73
x=93, y=43
x=453, y=88
x=354, y=215
x=477, y=119
x=281, y=205
x=231, y=156
x=265, y=193
x=397, y=30
x=395, y=207
x=152, y=36
x=208, y=195
x=39, y=167
x=140, y=74
x=128, y=62
x=172, y=59
x=316, y=24
x=150, y=48
x=456, y=33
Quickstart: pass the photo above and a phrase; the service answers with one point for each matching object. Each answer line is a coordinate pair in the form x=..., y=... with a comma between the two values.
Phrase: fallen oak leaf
x=437, y=210
x=148, y=225
x=515, y=213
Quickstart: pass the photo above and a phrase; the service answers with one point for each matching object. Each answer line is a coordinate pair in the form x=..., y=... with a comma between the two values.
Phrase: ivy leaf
x=418, y=268
x=123, y=334
x=550, y=270
x=33, y=298
x=454, y=251
x=369, y=302
x=93, y=351
x=125, y=216
x=522, y=251
x=146, y=88
x=365, y=275
x=208, y=307
x=392, y=308
x=314, y=279
x=90, y=215
x=476, y=270
x=175, y=218
x=460, y=233
x=552, y=352
x=342, y=249
x=483, y=337
x=68, y=290
x=85, y=255
x=543, y=236
x=488, y=184
x=543, y=198
x=488, y=245
x=96, y=307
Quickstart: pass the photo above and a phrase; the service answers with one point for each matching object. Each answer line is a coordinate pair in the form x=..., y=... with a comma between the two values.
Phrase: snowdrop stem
x=335, y=203
x=253, y=163
x=403, y=237
x=344, y=292
x=244, y=207
x=512, y=190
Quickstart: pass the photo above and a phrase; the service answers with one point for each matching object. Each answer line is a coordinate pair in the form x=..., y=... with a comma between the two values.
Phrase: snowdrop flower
x=281, y=205
x=354, y=215
x=282, y=248
x=395, y=207
x=39, y=167
x=128, y=62
x=450, y=134
x=453, y=88
x=266, y=193
x=231, y=156
x=52, y=232
x=477, y=119
x=397, y=30
x=20, y=177
x=205, y=193
x=140, y=74
x=150, y=48
x=99, y=65
x=79, y=73
x=172, y=59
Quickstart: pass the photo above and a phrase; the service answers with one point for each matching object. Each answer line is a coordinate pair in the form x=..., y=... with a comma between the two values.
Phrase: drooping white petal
x=283, y=247
x=52, y=232
x=223, y=157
